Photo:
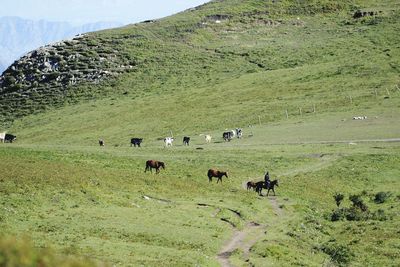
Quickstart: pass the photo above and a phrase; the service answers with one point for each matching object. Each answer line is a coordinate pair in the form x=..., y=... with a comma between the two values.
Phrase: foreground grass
x=99, y=203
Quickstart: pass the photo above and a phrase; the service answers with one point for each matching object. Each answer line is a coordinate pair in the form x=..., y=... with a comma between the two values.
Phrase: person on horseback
x=267, y=180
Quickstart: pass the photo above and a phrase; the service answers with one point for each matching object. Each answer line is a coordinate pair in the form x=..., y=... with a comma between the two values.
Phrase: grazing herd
x=227, y=136
x=168, y=141
x=256, y=186
x=157, y=165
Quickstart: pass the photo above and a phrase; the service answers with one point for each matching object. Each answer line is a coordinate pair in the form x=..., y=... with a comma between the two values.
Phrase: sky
x=79, y=12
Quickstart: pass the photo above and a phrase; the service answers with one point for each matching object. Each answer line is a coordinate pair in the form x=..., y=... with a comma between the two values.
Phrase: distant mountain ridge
x=19, y=36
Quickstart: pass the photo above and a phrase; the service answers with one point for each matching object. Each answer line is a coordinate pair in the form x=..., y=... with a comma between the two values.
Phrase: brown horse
x=215, y=173
x=154, y=164
x=251, y=184
x=260, y=185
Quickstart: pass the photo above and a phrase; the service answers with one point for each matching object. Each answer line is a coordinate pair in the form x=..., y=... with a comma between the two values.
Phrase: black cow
x=227, y=136
x=186, y=140
x=10, y=138
x=239, y=132
x=136, y=141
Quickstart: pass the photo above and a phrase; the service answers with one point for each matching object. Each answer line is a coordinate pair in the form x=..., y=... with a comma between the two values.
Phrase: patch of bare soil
x=240, y=242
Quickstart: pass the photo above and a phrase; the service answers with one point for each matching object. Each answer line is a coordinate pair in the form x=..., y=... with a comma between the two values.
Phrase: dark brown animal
x=154, y=164
x=186, y=140
x=251, y=184
x=215, y=173
x=101, y=142
x=260, y=185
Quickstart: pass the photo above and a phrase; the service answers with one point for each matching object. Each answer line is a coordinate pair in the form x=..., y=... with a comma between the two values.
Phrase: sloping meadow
x=292, y=75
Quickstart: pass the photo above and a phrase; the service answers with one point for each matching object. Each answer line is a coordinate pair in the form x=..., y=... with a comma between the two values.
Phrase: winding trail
x=244, y=239
x=239, y=241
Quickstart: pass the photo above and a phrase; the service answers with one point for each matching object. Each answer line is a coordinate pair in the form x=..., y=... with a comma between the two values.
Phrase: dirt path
x=241, y=240
x=316, y=142
x=275, y=206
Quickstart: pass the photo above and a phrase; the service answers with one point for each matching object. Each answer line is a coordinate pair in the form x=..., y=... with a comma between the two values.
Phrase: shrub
x=379, y=215
x=340, y=254
x=356, y=214
x=338, y=215
x=381, y=197
x=338, y=198
x=358, y=202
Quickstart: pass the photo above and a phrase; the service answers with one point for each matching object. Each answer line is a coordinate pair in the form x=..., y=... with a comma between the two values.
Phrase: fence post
x=287, y=114
x=259, y=120
x=376, y=93
x=313, y=108
x=300, y=112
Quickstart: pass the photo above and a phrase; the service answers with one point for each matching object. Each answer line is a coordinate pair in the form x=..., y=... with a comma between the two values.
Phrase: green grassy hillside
x=292, y=74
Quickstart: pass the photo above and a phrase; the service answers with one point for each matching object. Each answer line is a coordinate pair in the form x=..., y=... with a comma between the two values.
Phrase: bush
x=358, y=202
x=381, y=197
x=340, y=254
x=338, y=215
x=379, y=215
x=338, y=198
x=356, y=214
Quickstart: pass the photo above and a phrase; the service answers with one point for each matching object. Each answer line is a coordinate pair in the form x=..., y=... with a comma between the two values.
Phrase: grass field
x=98, y=202
x=292, y=78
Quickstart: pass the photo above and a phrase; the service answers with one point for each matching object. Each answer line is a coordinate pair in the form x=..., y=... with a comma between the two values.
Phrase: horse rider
x=267, y=180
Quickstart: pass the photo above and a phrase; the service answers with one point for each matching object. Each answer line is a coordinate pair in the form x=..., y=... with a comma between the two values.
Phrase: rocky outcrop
x=54, y=71
x=19, y=36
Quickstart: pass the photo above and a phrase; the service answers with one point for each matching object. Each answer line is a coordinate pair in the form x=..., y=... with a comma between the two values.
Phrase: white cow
x=360, y=118
x=168, y=141
x=2, y=137
x=208, y=138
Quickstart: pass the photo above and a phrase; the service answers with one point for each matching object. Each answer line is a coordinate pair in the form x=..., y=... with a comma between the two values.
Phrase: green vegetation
x=292, y=74
x=21, y=253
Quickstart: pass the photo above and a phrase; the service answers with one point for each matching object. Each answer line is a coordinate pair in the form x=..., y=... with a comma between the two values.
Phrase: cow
x=2, y=137
x=227, y=136
x=239, y=132
x=360, y=118
x=207, y=137
x=101, y=142
x=9, y=138
x=186, y=140
x=136, y=141
x=168, y=141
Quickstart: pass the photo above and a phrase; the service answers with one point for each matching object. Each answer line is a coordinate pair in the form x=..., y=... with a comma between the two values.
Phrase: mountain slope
x=324, y=52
